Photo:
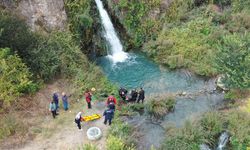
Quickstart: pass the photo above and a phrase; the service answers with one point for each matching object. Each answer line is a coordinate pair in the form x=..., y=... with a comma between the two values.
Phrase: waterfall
x=224, y=137
x=116, y=53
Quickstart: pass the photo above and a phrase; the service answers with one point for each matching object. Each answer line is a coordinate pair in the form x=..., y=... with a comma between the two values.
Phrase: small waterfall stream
x=116, y=54
x=224, y=137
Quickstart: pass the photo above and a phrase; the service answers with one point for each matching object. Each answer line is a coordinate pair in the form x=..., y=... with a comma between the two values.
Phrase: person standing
x=52, y=108
x=134, y=95
x=111, y=106
x=141, y=96
x=88, y=98
x=111, y=98
x=56, y=100
x=109, y=115
x=78, y=120
x=65, y=101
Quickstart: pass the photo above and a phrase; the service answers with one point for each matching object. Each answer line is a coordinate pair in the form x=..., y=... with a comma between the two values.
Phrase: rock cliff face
x=45, y=15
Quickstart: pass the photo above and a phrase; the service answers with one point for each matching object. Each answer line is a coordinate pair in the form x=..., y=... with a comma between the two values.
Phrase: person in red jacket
x=88, y=97
x=111, y=98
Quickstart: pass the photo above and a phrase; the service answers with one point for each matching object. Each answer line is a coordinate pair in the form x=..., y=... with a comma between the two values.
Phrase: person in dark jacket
x=111, y=105
x=109, y=114
x=78, y=120
x=123, y=92
x=141, y=96
x=134, y=95
x=52, y=108
x=88, y=98
x=56, y=100
x=65, y=101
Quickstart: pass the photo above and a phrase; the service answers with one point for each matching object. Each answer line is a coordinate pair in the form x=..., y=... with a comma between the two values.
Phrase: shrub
x=135, y=19
x=120, y=134
x=136, y=107
x=178, y=8
x=187, y=138
x=186, y=45
x=120, y=129
x=16, y=34
x=212, y=126
x=234, y=60
x=38, y=53
x=114, y=143
x=158, y=108
x=14, y=78
x=80, y=21
x=238, y=126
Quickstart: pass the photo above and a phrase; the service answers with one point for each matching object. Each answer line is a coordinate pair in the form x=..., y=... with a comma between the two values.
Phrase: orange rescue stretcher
x=90, y=118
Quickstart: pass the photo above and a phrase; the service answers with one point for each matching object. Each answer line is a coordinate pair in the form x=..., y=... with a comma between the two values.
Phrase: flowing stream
x=134, y=70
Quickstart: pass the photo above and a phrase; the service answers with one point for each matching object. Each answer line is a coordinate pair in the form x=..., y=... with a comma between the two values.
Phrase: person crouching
x=109, y=115
x=78, y=120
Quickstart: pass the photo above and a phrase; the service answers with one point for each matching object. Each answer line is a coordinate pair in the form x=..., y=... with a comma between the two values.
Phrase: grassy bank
x=196, y=34
x=208, y=129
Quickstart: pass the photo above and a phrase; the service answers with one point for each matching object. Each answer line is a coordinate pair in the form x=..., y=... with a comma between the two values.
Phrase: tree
x=14, y=78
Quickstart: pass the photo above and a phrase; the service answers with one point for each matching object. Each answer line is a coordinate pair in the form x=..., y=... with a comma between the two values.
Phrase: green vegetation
x=120, y=135
x=114, y=143
x=186, y=46
x=15, y=78
x=122, y=131
x=196, y=34
x=88, y=147
x=46, y=57
x=29, y=59
x=158, y=108
x=10, y=125
x=136, y=107
x=234, y=60
x=141, y=27
x=80, y=21
x=208, y=129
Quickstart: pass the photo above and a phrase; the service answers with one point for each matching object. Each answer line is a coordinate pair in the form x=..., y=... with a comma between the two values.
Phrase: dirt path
x=45, y=133
x=68, y=136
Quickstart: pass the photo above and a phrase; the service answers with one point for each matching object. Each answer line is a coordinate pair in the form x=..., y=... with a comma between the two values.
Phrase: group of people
x=133, y=96
x=54, y=103
x=108, y=113
x=111, y=102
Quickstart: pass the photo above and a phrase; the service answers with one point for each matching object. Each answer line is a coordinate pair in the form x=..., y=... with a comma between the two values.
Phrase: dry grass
x=26, y=120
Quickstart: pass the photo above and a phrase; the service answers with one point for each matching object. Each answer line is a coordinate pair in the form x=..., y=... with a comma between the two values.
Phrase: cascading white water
x=224, y=137
x=117, y=54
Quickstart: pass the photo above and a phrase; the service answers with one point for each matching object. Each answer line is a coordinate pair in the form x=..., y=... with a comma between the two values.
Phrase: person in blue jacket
x=109, y=115
x=56, y=100
x=65, y=101
x=52, y=108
